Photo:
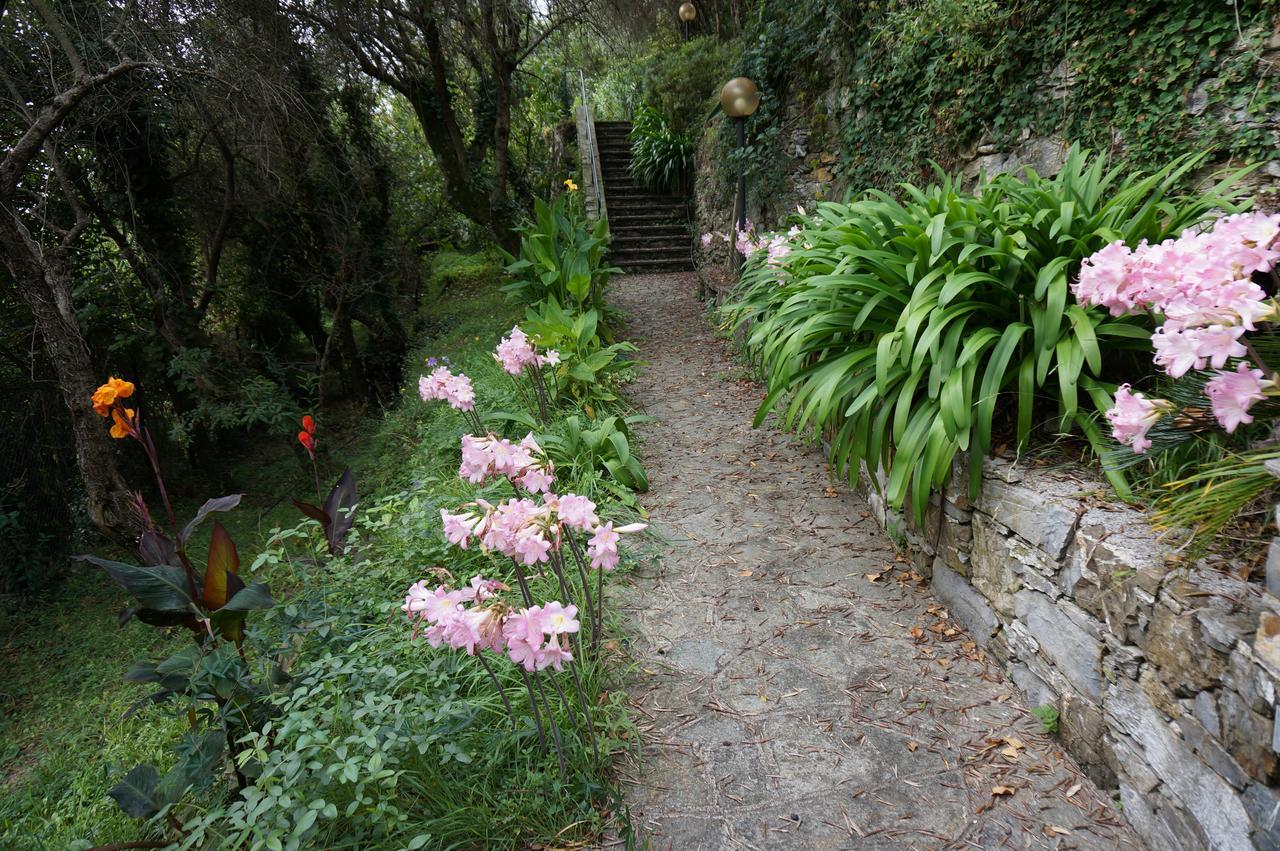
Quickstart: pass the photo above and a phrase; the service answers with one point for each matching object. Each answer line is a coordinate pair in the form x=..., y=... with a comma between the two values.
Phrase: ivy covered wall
x=864, y=93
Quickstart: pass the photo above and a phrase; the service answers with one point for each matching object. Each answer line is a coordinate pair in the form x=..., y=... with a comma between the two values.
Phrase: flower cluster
x=523, y=463
x=749, y=243
x=516, y=352
x=106, y=403
x=528, y=531
x=1133, y=416
x=446, y=386
x=307, y=437
x=531, y=637
x=1202, y=285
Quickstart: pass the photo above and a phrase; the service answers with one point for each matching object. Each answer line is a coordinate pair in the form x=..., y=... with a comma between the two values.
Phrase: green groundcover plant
x=908, y=331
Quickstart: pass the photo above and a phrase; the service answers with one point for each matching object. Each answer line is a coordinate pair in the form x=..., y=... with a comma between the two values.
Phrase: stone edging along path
x=798, y=685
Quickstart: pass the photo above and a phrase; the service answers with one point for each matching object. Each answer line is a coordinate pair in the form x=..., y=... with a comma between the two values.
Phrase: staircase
x=650, y=230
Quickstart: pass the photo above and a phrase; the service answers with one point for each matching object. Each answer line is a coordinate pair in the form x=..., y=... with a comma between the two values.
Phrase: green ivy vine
x=903, y=82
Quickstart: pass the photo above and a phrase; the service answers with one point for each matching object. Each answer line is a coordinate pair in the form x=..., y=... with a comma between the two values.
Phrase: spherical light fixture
x=688, y=12
x=739, y=97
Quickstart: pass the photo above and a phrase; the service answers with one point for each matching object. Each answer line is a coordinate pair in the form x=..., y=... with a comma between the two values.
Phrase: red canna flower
x=307, y=437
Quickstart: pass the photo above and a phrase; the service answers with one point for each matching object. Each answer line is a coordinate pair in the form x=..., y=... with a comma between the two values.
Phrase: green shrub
x=590, y=372
x=661, y=158
x=908, y=332
x=562, y=256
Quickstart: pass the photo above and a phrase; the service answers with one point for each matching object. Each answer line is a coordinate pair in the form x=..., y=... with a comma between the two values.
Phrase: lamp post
x=688, y=12
x=739, y=98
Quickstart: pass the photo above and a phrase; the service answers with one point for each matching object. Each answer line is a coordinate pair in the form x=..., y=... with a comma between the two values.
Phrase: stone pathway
x=797, y=686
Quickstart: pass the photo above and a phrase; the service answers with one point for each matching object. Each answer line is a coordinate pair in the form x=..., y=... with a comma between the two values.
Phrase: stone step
x=649, y=252
x=685, y=265
x=653, y=230
x=631, y=239
x=646, y=196
x=623, y=221
x=620, y=208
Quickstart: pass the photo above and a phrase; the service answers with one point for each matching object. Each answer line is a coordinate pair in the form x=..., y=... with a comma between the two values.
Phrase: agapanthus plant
x=1203, y=289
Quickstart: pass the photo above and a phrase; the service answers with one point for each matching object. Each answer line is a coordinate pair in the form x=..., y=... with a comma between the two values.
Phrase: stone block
x=966, y=605
x=1120, y=660
x=1081, y=727
x=1221, y=628
x=1273, y=567
x=992, y=566
x=1250, y=680
x=1173, y=643
x=1037, y=691
x=1144, y=820
x=1063, y=641
x=1129, y=763
x=1210, y=801
x=1247, y=736
x=1263, y=806
x=1205, y=709
x=1213, y=754
x=1044, y=516
x=1266, y=643
x=1002, y=470
x=1116, y=568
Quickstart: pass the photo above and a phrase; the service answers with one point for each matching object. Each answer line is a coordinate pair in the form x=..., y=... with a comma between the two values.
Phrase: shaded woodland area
x=231, y=202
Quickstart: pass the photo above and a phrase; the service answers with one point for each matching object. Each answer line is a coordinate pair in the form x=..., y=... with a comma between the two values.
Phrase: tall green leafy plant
x=590, y=370
x=661, y=157
x=907, y=332
x=562, y=255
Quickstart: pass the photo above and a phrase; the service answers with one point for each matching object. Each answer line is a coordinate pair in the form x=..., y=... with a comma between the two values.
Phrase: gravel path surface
x=797, y=685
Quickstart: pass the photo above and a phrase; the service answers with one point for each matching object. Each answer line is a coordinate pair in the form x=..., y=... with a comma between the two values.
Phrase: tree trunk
x=44, y=283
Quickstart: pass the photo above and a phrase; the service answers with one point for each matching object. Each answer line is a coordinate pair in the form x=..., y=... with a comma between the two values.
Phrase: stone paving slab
x=798, y=686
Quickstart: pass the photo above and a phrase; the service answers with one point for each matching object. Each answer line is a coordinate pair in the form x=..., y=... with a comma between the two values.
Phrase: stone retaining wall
x=1164, y=679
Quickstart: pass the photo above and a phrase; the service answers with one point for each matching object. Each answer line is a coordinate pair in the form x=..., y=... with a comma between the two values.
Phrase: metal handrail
x=587, y=120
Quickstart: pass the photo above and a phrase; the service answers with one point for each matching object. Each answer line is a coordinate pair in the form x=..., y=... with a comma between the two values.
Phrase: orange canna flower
x=123, y=422
x=106, y=395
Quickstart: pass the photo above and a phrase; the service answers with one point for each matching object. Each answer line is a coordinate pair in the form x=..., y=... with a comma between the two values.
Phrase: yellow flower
x=570, y=185
x=123, y=423
x=106, y=395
